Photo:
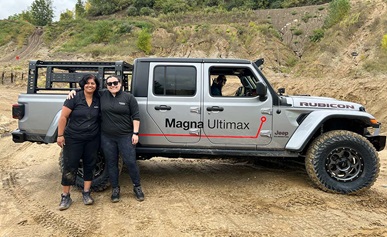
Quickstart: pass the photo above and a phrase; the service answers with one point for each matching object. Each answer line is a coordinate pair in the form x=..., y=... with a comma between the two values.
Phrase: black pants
x=114, y=145
x=73, y=152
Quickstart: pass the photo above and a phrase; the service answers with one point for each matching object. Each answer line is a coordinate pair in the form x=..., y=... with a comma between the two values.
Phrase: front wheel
x=101, y=176
x=342, y=162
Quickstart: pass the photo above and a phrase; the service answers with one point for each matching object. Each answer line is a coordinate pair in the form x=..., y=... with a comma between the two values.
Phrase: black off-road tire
x=342, y=162
x=101, y=175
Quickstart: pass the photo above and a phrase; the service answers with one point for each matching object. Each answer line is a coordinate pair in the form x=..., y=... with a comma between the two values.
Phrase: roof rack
x=69, y=73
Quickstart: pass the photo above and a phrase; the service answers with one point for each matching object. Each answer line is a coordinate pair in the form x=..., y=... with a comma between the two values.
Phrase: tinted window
x=173, y=80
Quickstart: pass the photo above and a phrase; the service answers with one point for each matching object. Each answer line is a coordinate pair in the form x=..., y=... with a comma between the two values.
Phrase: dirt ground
x=184, y=197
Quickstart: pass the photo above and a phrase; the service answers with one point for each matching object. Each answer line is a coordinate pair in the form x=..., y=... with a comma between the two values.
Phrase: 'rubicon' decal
x=327, y=105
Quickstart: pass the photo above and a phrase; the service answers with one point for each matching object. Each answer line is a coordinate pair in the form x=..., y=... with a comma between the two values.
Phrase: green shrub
x=338, y=10
x=132, y=11
x=146, y=11
x=384, y=42
x=305, y=18
x=103, y=32
x=144, y=41
x=297, y=32
x=317, y=35
x=124, y=28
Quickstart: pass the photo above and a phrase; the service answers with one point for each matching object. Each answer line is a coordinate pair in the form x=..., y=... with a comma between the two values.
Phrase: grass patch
x=88, y=36
x=377, y=65
x=15, y=30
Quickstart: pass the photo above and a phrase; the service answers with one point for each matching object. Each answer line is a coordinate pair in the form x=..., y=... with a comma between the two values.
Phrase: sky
x=11, y=7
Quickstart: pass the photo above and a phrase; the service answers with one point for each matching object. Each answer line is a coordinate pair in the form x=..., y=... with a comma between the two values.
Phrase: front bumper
x=378, y=141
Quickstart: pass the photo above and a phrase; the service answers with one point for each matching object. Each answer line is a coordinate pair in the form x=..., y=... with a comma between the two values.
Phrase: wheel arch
x=52, y=131
x=319, y=122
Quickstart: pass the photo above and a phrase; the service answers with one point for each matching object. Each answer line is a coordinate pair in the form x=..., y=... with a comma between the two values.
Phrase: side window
x=233, y=81
x=174, y=81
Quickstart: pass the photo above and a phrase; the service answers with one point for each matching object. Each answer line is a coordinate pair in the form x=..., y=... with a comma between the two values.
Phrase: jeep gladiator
x=338, y=140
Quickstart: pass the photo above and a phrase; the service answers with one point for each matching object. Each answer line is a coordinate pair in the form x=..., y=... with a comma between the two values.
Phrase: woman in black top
x=79, y=136
x=120, y=124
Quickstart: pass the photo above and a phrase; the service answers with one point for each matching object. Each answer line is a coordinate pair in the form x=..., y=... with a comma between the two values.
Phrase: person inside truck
x=79, y=135
x=217, y=85
x=120, y=124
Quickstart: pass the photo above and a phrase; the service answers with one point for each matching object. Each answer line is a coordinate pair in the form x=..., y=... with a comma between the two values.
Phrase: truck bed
x=43, y=129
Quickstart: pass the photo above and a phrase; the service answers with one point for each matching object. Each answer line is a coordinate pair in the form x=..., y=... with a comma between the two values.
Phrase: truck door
x=237, y=117
x=174, y=101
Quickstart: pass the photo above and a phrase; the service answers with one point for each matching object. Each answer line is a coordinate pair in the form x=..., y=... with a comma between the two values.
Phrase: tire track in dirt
x=342, y=213
x=51, y=221
x=34, y=42
x=9, y=151
x=185, y=180
x=295, y=204
x=165, y=173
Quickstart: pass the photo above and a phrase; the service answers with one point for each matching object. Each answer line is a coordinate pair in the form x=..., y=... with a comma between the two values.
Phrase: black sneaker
x=65, y=202
x=139, y=194
x=87, y=199
x=115, y=194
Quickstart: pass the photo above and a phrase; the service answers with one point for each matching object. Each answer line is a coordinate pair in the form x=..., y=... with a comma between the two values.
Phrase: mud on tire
x=342, y=162
x=101, y=175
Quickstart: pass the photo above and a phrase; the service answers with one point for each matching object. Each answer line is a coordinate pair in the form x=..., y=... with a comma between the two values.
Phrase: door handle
x=163, y=107
x=215, y=108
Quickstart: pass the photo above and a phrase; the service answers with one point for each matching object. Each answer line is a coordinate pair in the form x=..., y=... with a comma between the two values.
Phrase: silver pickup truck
x=180, y=117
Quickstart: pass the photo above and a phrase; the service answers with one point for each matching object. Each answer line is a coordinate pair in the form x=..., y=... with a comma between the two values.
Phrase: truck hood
x=322, y=103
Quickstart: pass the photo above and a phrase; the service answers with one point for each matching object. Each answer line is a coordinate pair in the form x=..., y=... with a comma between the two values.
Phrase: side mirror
x=261, y=90
x=281, y=91
x=259, y=62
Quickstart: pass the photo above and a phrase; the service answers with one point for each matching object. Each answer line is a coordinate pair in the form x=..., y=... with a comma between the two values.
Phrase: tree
x=66, y=16
x=42, y=12
x=79, y=10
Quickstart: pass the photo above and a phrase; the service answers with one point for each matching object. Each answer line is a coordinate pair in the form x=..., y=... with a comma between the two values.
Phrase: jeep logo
x=281, y=134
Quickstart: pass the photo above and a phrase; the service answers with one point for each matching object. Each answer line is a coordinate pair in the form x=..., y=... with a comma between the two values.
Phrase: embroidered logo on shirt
x=122, y=103
x=96, y=107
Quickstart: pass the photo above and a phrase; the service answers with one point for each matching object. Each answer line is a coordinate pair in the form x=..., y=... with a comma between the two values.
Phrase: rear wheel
x=342, y=162
x=101, y=175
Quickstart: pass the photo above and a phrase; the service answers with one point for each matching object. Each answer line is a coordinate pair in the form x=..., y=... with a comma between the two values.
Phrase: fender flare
x=53, y=129
x=312, y=122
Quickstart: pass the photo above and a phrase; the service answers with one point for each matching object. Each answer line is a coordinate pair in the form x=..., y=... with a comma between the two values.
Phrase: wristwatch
x=135, y=133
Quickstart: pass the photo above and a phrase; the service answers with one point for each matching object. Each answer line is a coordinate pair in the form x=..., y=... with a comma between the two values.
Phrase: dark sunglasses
x=112, y=83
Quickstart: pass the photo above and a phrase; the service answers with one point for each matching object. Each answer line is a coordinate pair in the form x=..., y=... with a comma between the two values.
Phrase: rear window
x=174, y=81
